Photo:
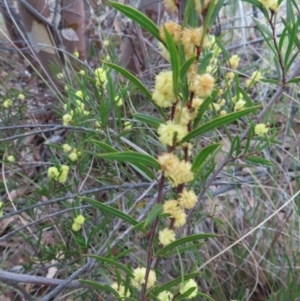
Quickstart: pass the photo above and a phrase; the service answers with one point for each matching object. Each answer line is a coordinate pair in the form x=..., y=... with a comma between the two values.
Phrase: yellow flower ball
x=121, y=290
x=53, y=173
x=169, y=130
x=73, y=156
x=261, y=129
x=79, y=219
x=21, y=96
x=76, y=227
x=239, y=105
x=67, y=148
x=165, y=296
x=184, y=287
x=202, y=85
x=67, y=118
x=64, y=171
x=139, y=278
x=166, y=236
x=7, y=103
x=187, y=199
x=234, y=61
x=11, y=159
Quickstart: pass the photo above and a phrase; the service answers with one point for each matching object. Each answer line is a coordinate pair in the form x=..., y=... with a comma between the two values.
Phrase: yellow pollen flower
x=166, y=236
x=21, y=96
x=169, y=131
x=76, y=227
x=79, y=219
x=184, y=287
x=234, y=61
x=7, y=103
x=139, y=278
x=11, y=159
x=239, y=105
x=202, y=85
x=261, y=129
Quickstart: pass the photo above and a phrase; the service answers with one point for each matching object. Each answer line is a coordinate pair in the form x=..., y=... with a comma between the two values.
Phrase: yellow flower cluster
x=270, y=4
x=101, y=77
x=190, y=38
x=163, y=94
x=261, y=129
x=173, y=208
x=165, y=296
x=120, y=289
x=7, y=103
x=234, y=61
x=187, y=199
x=74, y=154
x=173, y=28
x=255, y=77
x=78, y=222
x=67, y=119
x=201, y=84
x=118, y=100
x=177, y=171
x=139, y=278
x=239, y=105
x=11, y=159
x=184, y=287
x=166, y=236
x=170, y=131
x=59, y=175
x=21, y=96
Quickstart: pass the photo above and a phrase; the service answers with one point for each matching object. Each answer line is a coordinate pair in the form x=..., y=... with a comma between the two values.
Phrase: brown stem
x=151, y=237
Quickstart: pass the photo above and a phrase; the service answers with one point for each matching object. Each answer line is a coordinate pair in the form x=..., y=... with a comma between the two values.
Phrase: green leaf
x=187, y=64
x=103, y=146
x=186, y=294
x=97, y=285
x=112, y=211
x=235, y=146
x=136, y=82
x=190, y=16
x=294, y=80
x=150, y=120
x=291, y=44
x=204, y=107
x=178, y=242
x=154, y=213
x=282, y=38
x=132, y=157
x=217, y=122
x=131, y=78
x=137, y=17
x=202, y=156
x=257, y=4
x=215, y=9
x=112, y=262
x=205, y=62
x=175, y=61
x=259, y=160
x=267, y=35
